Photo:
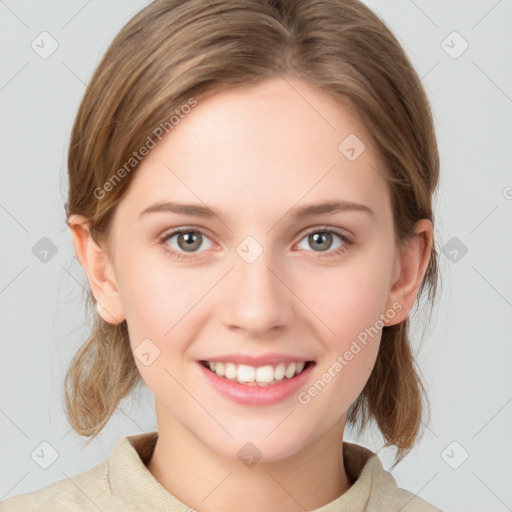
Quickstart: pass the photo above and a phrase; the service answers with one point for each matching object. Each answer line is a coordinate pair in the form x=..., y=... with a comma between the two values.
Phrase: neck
x=201, y=478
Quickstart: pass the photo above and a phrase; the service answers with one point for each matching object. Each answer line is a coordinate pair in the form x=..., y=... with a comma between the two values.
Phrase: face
x=257, y=284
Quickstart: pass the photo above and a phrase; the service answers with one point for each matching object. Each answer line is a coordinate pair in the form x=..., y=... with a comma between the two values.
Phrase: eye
x=185, y=241
x=322, y=239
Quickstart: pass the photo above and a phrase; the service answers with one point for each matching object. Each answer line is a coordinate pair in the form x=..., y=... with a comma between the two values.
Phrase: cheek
x=350, y=305
x=349, y=302
x=161, y=304
x=349, y=299
x=157, y=297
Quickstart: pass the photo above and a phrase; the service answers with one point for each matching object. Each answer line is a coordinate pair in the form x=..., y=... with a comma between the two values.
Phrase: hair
x=175, y=50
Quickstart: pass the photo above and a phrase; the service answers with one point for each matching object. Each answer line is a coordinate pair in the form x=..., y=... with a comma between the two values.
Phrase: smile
x=267, y=375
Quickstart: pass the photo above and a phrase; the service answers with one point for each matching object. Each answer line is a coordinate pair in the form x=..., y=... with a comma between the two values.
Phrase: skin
x=254, y=154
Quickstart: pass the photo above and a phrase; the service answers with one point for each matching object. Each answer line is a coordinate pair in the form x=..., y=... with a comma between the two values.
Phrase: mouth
x=261, y=376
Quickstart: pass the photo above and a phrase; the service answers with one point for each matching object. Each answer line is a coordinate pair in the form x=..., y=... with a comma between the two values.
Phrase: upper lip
x=256, y=361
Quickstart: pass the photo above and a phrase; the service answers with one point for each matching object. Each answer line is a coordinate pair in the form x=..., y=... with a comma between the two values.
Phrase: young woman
x=250, y=196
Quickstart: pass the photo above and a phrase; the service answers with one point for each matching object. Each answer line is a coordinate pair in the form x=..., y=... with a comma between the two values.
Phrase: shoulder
x=87, y=491
x=117, y=484
x=384, y=493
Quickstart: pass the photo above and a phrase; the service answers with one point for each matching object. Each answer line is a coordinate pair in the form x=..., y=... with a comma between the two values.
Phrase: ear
x=410, y=267
x=99, y=270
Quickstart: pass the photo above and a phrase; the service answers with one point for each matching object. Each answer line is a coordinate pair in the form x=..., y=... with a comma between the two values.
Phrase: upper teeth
x=262, y=375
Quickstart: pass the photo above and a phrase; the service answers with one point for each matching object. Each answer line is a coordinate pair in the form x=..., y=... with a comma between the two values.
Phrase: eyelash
x=347, y=242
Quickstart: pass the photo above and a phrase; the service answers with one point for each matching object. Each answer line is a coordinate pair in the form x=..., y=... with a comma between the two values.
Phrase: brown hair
x=175, y=50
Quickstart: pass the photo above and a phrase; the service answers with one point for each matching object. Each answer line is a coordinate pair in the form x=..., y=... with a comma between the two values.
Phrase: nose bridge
x=257, y=300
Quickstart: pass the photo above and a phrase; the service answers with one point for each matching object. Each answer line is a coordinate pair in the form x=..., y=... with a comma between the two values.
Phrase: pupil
x=321, y=238
x=191, y=241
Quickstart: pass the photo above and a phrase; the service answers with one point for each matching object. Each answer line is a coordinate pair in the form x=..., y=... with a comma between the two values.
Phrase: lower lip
x=256, y=395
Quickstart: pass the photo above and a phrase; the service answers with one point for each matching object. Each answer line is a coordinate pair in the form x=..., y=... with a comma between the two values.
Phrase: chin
x=254, y=441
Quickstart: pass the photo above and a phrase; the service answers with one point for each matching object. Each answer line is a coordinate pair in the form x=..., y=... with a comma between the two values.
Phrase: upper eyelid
x=337, y=231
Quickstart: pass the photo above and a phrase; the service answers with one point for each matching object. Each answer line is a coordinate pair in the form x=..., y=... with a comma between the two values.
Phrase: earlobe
x=98, y=268
x=412, y=262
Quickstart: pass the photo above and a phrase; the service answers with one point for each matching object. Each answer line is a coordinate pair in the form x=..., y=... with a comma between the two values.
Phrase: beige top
x=122, y=483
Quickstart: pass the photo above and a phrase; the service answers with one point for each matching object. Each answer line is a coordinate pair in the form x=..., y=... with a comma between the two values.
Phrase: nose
x=257, y=299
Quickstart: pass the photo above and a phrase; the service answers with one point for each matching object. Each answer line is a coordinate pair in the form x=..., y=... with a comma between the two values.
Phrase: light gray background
x=465, y=356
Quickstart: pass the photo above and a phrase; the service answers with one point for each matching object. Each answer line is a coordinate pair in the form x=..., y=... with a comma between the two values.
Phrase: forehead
x=261, y=149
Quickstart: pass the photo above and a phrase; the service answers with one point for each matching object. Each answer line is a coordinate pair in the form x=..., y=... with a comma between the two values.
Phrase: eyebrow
x=195, y=210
